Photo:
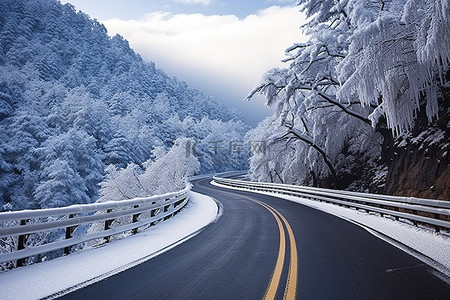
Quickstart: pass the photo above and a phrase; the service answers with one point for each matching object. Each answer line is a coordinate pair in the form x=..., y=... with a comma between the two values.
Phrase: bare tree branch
x=310, y=142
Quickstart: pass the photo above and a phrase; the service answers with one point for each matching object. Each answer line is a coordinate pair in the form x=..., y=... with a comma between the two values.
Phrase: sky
x=221, y=47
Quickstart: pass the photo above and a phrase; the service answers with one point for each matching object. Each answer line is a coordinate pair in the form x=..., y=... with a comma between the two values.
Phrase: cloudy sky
x=221, y=47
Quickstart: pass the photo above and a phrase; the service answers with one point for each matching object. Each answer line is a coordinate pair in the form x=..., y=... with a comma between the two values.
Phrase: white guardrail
x=133, y=213
x=435, y=213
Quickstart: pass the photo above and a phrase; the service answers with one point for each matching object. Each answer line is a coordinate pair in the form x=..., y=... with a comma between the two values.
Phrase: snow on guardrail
x=136, y=212
x=435, y=213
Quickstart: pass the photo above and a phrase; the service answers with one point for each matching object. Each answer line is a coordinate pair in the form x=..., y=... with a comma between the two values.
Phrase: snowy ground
x=67, y=273
x=423, y=243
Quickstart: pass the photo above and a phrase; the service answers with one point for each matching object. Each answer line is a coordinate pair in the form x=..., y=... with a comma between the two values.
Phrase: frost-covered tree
x=118, y=151
x=5, y=105
x=397, y=52
x=169, y=172
x=76, y=151
x=304, y=96
x=367, y=64
x=219, y=146
x=89, y=115
x=20, y=153
x=122, y=184
x=60, y=185
x=6, y=178
x=166, y=171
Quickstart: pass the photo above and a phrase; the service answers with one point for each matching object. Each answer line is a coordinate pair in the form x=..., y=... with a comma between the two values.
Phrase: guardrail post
x=178, y=203
x=135, y=219
x=166, y=209
x=69, y=232
x=152, y=214
x=108, y=226
x=21, y=244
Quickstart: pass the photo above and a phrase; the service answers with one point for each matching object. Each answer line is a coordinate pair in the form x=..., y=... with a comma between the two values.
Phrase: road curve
x=264, y=247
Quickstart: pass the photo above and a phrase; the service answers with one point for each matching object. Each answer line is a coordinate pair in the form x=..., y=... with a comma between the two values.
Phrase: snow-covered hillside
x=74, y=100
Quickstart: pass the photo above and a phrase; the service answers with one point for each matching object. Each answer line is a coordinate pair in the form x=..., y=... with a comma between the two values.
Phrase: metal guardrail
x=137, y=213
x=435, y=213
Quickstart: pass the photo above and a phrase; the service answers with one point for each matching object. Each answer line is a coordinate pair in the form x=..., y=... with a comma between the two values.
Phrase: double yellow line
x=290, y=291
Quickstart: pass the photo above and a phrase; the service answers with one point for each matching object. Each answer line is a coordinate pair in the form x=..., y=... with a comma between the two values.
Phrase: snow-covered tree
x=84, y=170
x=118, y=151
x=166, y=171
x=60, y=185
x=395, y=57
x=365, y=61
x=169, y=172
x=121, y=184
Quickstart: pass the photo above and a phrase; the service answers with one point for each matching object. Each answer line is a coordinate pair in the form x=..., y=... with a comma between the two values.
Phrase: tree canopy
x=367, y=64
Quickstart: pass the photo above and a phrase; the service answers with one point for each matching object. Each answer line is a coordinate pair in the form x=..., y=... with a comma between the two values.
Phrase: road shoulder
x=430, y=247
x=60, y=276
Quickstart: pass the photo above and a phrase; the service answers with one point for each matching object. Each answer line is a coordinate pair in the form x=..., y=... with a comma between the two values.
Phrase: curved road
x=263, y=246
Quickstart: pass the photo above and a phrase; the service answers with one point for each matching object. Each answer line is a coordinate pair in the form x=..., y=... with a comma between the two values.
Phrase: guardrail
x=133, y=214
x=435, y=213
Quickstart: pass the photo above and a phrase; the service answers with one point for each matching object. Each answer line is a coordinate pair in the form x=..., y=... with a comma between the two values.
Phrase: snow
x=434, y=246
x=80, y=269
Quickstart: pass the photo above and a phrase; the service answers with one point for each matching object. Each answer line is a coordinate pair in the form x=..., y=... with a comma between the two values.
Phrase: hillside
x=74, y=100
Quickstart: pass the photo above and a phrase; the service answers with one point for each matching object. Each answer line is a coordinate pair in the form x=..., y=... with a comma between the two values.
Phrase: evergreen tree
x=60, y=185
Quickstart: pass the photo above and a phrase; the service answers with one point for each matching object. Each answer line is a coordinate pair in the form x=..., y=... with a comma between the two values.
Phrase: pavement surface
x=266, y=247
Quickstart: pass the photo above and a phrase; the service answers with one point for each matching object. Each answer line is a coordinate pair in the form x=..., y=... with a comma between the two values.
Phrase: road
x=266, y=247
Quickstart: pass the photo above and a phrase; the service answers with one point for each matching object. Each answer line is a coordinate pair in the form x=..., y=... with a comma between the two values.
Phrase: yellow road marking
x=290, y=291
x=291, y=285
x=276, y=275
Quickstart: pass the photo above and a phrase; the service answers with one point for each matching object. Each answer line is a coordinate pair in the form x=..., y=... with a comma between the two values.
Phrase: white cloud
x=222, y=55
x=204, y=2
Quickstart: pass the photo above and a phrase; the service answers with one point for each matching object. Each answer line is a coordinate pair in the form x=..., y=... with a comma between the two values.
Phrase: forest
x=78, y=107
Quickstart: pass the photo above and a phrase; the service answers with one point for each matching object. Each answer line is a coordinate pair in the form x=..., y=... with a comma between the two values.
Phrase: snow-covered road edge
x=65, y=274
x=428, y=246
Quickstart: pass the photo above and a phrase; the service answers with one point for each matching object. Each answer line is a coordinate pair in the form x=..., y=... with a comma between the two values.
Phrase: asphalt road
x=263, y=246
